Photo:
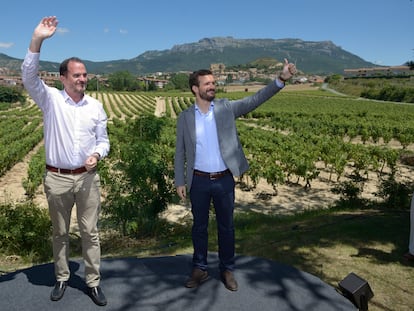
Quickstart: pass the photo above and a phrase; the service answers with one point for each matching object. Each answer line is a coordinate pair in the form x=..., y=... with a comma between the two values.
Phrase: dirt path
x=170, y=105
x=105, y=99
x=160, y=106
x=12, y=190
x=11, y=184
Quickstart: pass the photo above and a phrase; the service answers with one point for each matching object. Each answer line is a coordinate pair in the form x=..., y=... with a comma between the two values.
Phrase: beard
x=79, y=88
x=208, y=95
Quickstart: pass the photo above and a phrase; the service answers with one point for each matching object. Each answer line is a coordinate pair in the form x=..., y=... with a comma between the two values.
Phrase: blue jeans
x=221, y=191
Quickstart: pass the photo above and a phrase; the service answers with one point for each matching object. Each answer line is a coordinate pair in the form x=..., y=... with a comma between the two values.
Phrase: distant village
x=378, y=71
x=223, y=76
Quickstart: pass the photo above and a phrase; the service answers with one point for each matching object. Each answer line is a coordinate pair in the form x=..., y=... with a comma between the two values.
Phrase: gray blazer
x=225, y=114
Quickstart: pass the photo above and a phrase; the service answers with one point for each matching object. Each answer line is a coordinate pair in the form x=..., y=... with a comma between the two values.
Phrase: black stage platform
x=156, y=283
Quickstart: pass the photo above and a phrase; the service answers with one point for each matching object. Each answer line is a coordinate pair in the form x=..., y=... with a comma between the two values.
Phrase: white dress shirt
x=208, y=155
x=72, y=131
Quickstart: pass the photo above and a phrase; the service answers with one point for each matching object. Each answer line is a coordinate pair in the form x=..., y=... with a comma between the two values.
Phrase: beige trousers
x=63, y=191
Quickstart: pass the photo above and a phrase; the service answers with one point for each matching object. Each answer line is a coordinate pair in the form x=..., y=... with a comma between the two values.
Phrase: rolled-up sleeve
x=102, y=140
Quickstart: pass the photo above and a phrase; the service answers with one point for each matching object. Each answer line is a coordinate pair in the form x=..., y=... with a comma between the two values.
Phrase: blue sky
x=379, y=31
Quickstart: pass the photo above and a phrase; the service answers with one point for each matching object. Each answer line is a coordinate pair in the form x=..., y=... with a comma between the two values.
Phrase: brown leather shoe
x=197, y=277
x=408, y=257
x=229, y=281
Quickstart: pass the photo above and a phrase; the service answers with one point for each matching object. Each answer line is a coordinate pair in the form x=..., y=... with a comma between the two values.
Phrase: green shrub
x=395, y=194
x=349, y=192
x=11, y=94
x=138, y=184
x=25, y=230
x=35, y=173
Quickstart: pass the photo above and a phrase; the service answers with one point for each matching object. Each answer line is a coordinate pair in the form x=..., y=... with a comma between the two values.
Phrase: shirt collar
x=69, y=100
x=210, y=109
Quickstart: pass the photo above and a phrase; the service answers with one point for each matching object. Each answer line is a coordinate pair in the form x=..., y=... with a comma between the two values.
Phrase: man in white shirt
x=75, y=134
x=409, y=256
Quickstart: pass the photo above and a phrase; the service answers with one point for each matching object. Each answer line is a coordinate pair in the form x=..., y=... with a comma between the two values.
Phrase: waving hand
x=45, y=29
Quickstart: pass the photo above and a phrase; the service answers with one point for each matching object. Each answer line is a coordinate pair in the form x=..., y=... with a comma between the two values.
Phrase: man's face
x=207, y=87
x=75, y=79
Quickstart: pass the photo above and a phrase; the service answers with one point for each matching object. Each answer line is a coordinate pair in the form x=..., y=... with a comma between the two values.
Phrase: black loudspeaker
x=357, y=290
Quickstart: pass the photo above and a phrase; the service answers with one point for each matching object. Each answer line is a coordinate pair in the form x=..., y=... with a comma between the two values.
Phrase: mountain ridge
x=311, y=57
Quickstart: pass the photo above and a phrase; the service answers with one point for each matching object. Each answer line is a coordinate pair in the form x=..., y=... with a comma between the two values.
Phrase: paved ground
x=156, y=283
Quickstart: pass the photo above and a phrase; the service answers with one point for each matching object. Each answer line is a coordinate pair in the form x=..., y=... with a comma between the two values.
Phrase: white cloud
x=6, y=45
x=62, y=31
x=123, y=31
x=106, y=30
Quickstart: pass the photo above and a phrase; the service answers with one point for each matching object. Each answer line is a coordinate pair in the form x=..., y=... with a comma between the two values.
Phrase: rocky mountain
x=311, y=57
x=12, y=64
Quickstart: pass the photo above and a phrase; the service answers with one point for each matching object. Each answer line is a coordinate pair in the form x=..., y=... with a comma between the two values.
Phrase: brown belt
x=78, y=170
x=212, y=176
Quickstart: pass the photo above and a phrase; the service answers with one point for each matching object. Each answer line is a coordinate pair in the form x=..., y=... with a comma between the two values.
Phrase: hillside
x=311, y=57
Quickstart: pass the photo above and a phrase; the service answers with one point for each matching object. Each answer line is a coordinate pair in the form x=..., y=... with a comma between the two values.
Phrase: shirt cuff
x=279, y=83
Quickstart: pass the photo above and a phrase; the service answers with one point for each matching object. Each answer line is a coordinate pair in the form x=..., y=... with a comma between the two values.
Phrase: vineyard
x=295, y=138
x=306, y=148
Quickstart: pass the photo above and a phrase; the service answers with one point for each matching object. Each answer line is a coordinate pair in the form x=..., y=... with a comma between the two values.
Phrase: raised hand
x=45, y=29
x=288, y=71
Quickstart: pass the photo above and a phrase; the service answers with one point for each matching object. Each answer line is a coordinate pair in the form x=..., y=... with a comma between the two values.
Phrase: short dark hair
x=193, y=80
x=63, y=69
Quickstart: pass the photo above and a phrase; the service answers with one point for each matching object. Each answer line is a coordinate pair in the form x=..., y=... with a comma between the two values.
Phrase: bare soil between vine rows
x=290, y=197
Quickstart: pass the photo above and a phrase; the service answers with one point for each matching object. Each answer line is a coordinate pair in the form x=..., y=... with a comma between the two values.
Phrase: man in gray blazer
x=208, y=154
